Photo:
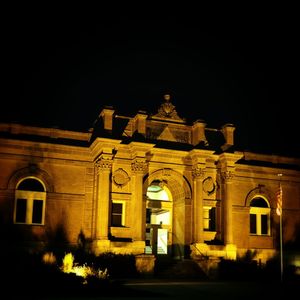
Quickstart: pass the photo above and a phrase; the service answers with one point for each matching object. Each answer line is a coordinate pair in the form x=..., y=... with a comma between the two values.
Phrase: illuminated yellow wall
x=71, y=174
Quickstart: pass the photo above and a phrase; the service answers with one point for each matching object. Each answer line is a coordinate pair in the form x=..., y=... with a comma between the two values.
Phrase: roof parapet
x=198, y=132
x=107, y=116
x=228, y=132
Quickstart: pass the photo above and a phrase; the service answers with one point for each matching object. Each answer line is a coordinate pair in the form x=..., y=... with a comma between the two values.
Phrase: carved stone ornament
x=198, y=173
x=227, y=176
x=139, y=166
x=209, y=185
x=120, y=177
x=167, y=110
x=104, y=164
x=166, y=172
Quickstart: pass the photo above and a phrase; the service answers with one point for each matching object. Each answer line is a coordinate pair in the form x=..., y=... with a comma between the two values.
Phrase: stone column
x=103, y=202
x=227, y=206
x=227, y=163
x=138, y=209
x=198, y=175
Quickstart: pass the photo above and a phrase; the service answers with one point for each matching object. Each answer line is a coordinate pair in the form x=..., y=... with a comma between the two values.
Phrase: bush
x=244, y=268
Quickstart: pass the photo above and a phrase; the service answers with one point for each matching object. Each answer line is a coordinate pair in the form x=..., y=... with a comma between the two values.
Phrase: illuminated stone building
x=150, y=184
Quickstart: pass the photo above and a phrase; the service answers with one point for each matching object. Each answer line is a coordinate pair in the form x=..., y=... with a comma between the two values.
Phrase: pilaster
x=227, y=171
x=198, y=172
x=227, y=178
x=139, y=167
x=200, y=161
x=103, y=165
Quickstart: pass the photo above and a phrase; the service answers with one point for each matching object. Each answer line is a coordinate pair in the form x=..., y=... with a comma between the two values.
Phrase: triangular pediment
x=167, y=135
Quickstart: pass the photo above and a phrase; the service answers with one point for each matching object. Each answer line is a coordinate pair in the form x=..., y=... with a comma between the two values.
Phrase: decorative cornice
x=228, y=160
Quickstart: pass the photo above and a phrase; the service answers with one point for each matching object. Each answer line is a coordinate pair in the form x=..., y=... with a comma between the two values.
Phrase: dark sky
x=227, y=66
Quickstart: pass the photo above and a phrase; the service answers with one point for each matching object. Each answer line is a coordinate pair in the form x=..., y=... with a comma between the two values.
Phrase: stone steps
x=181, y=269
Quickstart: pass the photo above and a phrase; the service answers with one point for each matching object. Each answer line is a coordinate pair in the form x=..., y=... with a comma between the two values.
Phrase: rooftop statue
x=167, y=110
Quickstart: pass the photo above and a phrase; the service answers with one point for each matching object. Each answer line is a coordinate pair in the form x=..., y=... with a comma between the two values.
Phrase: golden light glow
x=49, y=258
x=84, y=270
x=68, y=261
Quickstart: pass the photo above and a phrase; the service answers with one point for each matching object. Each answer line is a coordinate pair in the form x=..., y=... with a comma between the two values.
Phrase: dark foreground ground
x=29, y=279
x=216, y=290
x=162, y=289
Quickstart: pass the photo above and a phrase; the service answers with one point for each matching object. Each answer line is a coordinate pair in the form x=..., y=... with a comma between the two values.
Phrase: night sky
x=62, y=67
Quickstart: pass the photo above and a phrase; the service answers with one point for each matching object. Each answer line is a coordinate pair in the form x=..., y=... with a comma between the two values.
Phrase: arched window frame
x=256, y=217
x=29, y=198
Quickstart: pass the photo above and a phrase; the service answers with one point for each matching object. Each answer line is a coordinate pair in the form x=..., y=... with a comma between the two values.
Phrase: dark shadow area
x=169, y=268
x=57, y=241
x=294, y=244
x=245, y=268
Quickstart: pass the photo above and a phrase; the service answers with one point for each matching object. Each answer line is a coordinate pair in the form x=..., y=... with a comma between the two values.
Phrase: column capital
x=104, y=163
x=139, y=166
x=227, y=176
x=198, y=172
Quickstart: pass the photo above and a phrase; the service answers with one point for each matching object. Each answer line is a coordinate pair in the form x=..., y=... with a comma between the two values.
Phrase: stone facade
x=95, y=188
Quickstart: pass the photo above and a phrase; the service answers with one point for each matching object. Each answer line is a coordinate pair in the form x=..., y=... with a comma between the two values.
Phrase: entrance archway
x=168, y=211
x=159, y=209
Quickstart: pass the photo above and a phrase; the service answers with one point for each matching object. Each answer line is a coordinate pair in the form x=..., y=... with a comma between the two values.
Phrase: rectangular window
x=206, y=219
x=37, y=211
x=253, y=224
x=212, y=219
x=117, y=211
x=264, y=224
x=21, y=211
x=148, y=215
x=209, y=218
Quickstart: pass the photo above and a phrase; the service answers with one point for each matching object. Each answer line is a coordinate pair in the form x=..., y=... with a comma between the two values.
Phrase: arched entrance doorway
x=168, y=213
x=159, y=208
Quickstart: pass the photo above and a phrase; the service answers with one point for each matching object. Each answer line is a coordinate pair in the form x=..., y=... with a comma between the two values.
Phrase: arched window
x=30, y=200
x=259, y=216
